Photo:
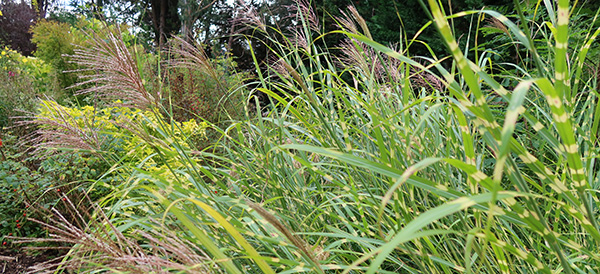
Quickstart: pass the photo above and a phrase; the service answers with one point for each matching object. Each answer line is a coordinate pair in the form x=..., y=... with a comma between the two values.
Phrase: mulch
x=18, y=261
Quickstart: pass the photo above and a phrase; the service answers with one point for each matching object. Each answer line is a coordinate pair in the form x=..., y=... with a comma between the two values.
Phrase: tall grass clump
x=368, y=160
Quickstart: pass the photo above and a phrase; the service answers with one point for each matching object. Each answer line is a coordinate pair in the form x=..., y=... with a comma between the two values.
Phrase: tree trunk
x=161, y=25
x=165, y=20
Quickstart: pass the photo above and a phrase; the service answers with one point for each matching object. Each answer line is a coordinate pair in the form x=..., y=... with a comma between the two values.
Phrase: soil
x=18, y=261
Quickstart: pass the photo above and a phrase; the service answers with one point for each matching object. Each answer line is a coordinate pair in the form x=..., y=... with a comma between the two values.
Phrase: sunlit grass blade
x=201, y=235
x=411, y=230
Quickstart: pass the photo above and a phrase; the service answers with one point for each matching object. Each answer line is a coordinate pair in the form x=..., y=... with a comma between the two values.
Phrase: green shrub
x=97, y=138
x=53, y=41
x=196, y=87
x=26, y=79
x=24, y=191
x=57, y=41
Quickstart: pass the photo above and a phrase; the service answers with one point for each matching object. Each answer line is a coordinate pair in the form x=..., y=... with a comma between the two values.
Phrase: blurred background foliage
x=217, y=24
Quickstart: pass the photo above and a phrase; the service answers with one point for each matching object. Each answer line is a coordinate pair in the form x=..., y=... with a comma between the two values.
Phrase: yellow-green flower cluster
x=8, y=58
x=132, y=135
x=13, y=64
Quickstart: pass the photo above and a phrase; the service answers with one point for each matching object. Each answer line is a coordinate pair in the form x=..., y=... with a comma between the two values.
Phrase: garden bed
x=18, y=261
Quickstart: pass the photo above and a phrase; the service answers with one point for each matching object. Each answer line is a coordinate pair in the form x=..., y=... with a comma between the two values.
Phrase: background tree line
x=219, y=24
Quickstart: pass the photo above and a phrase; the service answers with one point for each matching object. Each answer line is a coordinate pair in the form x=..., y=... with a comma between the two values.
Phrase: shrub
x=97, y=138
x=26, y=79
x=53, y=41
x=15, y=22
x=193, y=86
x=56, y=41
x=22, y=190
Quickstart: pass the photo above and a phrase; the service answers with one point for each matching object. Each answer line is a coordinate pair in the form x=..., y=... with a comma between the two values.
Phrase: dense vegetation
x=334, y=154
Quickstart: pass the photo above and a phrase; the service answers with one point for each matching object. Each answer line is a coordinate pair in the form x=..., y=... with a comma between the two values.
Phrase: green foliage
x=57, y=41
x=25, y=79
x=53, y=40
x=103, y=136
x=20, y=188
x=460, y=172
x=211, y=92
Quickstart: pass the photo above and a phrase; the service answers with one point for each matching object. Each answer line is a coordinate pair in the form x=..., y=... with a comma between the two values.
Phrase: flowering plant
x=114, y=133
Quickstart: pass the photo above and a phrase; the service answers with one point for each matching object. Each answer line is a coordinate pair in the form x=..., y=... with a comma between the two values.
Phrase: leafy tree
x=54, y=40
x=164, y=17
x=157, y=19
x=57, y=41
x=17, y=19
x=42, y=7
x=392, y=22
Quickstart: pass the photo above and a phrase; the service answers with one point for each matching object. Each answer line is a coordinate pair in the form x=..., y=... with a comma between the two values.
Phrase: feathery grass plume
x=192, y=56
x=308, y=15
x=306, y=21
x=367, y=61
x=279, y=67
x=299, y=40
x=57, y=128
x=346, y=23
x=494, y=23
x=421, y=78
x=348, y=19
x=113, y=73
x=362, y=58
x=248, y=17
x=99, y=246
